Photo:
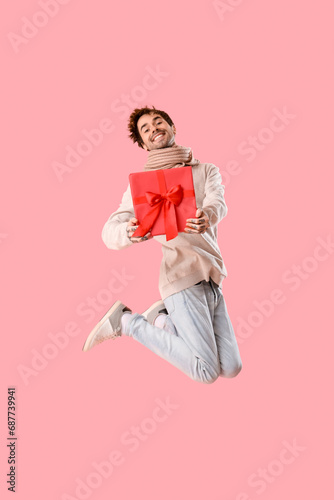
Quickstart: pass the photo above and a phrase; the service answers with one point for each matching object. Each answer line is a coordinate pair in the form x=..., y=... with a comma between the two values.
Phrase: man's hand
x=130, y=229
x=199, y=224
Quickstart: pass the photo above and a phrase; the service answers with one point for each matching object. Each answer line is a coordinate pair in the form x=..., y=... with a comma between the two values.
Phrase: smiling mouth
x=160, y=134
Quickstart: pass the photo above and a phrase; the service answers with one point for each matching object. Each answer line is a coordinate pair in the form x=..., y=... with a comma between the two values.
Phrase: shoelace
x=112, y=336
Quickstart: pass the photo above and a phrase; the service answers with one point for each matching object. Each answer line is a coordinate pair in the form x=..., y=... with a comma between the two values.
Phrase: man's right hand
x=130, y=229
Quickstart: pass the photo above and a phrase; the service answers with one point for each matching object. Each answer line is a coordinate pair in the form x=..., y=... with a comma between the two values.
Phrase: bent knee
x=206, y=377
x=233, y=371
x=210, y=378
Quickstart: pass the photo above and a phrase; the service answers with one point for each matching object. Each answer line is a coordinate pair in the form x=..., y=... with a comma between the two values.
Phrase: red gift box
x=163, y=200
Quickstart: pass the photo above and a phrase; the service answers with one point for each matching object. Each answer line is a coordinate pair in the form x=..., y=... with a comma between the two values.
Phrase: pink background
x=223, y=79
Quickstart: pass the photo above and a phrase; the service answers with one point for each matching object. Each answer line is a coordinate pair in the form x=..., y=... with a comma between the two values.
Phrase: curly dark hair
x=134, y=117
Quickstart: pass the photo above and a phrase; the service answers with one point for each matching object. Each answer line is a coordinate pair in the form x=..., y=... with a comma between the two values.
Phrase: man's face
x=155, y=132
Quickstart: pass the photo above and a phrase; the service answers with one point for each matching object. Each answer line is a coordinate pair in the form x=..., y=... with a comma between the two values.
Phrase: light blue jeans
x=204, y=346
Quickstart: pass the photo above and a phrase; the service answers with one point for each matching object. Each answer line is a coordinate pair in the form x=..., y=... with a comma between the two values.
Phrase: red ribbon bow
x=168, y=201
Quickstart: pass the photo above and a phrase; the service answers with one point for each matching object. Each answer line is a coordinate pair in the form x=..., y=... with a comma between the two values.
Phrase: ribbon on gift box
x=166, y=200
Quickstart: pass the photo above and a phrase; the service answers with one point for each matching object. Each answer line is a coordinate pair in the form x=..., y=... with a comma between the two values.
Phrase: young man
x=190, y=327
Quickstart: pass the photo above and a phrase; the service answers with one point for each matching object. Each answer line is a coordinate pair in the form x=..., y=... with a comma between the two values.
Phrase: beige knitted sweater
x=188, y=258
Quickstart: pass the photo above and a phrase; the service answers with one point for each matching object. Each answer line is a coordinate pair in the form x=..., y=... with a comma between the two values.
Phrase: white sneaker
x=153, y=312
x=109, y=327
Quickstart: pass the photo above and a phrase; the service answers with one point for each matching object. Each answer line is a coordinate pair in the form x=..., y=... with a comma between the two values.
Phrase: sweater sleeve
x=114, y=233
x=214, y=205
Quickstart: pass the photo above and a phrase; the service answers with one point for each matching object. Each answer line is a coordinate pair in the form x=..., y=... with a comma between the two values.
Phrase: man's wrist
x=206, y=212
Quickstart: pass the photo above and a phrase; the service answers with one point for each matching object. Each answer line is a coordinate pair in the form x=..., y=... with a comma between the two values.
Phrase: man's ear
x=174, y=129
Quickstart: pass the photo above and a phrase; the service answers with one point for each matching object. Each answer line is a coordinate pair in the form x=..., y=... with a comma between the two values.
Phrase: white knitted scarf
x=174, y=156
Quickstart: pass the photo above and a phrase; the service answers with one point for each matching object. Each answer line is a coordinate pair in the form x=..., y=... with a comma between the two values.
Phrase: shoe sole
x=102, y=320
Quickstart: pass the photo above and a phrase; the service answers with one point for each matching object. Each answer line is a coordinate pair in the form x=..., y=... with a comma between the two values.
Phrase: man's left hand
x=199, y=224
